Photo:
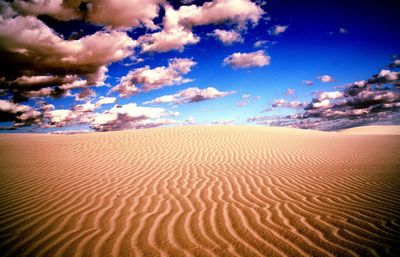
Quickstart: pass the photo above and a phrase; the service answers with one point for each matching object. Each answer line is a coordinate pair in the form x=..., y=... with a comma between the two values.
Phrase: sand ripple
x=200, y=191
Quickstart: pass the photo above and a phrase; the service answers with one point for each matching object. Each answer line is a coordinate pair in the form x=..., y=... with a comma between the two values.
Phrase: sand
x=200, y=191
x=373, y=130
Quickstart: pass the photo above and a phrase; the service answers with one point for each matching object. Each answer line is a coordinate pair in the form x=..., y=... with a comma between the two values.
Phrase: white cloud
x=248, y=60
x=326, y=78
x=228, y=37
x=105, y=100
x=177, y=24
x=158, y=77
x=129, y=116
x=307, y=82
x=290, y=91
x=260, y=43
x=190, y=95
x=286, y=104
x=278, y=29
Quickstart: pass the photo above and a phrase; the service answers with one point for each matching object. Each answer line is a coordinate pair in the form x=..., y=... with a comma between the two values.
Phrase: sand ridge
x=200, y=191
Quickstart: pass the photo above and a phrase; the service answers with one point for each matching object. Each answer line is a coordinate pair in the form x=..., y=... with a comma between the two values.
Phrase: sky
x=77, y=66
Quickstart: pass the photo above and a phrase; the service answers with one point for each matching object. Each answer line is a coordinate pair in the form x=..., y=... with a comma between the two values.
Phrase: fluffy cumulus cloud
x=129, y=116
x=156, y=78
x=374, y=100
x=227, y=37
x=38, y=57
x=248, y=60
x=124, y=13
x=177, y=24
x=190, y=95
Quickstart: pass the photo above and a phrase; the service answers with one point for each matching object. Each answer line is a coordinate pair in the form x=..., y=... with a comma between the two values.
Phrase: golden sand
x=200, y=191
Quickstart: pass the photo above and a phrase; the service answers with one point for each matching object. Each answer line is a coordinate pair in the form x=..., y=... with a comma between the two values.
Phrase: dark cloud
x=36, y=57
x=21, y=115
x=125, y=14
x=374, y=100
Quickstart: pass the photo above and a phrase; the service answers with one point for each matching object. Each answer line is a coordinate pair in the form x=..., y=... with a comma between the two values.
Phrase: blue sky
x=349, y=41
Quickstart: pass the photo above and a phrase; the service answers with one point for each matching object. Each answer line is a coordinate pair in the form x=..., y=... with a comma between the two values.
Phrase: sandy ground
x=200, y=191
x=373, y=130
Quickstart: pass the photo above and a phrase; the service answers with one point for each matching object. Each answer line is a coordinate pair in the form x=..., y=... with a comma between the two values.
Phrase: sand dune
x=373, y=130
x=200, y=191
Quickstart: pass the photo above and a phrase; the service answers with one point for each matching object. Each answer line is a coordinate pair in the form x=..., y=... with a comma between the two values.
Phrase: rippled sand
x=200, y=191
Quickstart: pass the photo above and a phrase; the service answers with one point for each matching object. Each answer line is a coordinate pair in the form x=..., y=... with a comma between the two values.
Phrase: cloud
x=290, y=91
x=326, y=78
x=19, y=114
x=223, y=122
x=129, y=116
x=278, y=29
x=245, y=96
x=248, y=60
x=370, y=101
x=190, y=95
x=37, y=57
x=343, y=31
x=286, y=104
x=307, y=82
x=241, y=103
x=218, y=11
x=395, y=64
x=228, y=37
x=151, y=79
x=177, y=24
x=172, y=37
x=70, y=132
x=85, y=94
x=260, y=43
x=125, y=14
x=105, y=100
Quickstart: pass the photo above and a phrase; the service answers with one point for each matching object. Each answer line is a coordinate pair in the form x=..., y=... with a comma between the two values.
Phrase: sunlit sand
x=200, y=191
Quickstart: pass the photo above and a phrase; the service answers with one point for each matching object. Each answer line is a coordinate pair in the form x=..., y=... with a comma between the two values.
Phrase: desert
x=201, y=191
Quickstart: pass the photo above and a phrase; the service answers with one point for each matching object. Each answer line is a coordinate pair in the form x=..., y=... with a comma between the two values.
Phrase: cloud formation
x=290, y=91
x=21, y=115
x=151, y=79
x=248, y=60
x=308, y=82
x=38, y=57
x=227, y=37
x=287, y=104
x=278, y=29
x=177, y=24
x=129, y=116
x=326, y=78
x=190, y=95
x=125, y=13
x=376, y=99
